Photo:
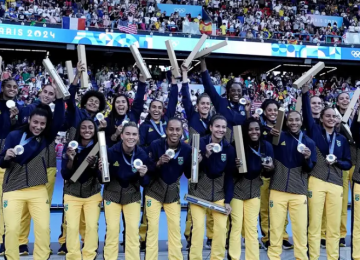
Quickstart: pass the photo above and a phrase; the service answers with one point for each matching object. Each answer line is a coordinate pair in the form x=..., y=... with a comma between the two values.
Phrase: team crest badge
x=223, y=157
x=357, y=197
x=338, y=143
x=264, y=133
x=310, y=194
x=271, y=204
x=99, y=205
x=148, y=203
x=66, y=207
x=242, y=113
x=108, y=202
x=180, y=160
x=5, y=203
x=47, y=201
x=116, y=164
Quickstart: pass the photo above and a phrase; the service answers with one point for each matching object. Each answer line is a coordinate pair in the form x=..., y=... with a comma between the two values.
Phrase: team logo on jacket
x=150, y=129
x=148, y=203
x=47, y=201
x=264, y=133
x=5, y=203
x=310, y=194
x=357, y=197
x=180, y=160
x=66, y=207
x=223, y=157
x=108, y=202
x=271, y=204
x=283, y=143
x=242, y=113
x=338, y=143
x=116, y=164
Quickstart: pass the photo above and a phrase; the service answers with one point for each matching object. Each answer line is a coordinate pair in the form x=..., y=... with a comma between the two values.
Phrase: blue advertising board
x=323, y=20
x=183, y=10
x=156, y=42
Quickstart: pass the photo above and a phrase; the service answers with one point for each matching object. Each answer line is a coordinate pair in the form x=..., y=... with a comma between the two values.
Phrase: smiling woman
x=172, y=158
x=325, y=182
x=215, y=184
x=122, y=193
x=121, y=113
x=83, y=194
x=26, y=176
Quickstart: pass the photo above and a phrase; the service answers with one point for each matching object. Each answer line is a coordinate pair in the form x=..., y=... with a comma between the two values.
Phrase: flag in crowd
x=73, y=23
x=131, y=28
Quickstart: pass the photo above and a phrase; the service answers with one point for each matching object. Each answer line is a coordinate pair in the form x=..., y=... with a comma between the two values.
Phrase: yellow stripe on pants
x=172, y=211
x=132, y=217
x=197, y=239
x=280, y=202
x=73, y=208
x=324, y=193
x=25, y=218
x=2, y=230
x=36, y=199
x=264, y=212
x=244, y=215
x=355, y=233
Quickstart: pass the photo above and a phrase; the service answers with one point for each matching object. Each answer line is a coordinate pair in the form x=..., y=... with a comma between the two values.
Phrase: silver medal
x=19, y=149
x=74, y=145
x=10, y=103
x=170, y=153
x=216, y=148
x=301, y=148
x=242, y=101
x=259, y=111
x=100, y=117
x=138, y=163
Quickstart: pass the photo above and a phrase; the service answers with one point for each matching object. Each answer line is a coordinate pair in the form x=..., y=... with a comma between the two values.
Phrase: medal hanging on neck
x=204, y=124
x=256, y=152
x=130, y=163
x=80, y=147
x=241, y=108
x=331, y=157
x=123, y=122
x=19, y=149
x=171, y=153
x=159, y=131
x=300, y=146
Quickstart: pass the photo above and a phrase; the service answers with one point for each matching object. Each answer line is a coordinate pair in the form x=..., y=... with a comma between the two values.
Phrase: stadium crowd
x=279, y=20
x=123, y=79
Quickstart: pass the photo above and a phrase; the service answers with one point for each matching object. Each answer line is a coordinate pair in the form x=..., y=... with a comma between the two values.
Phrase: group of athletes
x=295, y=176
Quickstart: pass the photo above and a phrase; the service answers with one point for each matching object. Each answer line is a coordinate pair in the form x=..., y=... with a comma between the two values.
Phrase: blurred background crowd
x=291, y=21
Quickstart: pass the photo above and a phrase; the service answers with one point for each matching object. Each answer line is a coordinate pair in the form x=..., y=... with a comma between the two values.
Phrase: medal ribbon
x=159, y=131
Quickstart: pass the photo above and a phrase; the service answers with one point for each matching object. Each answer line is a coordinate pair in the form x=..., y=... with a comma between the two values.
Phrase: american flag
x=132, y=8
x=131, y=28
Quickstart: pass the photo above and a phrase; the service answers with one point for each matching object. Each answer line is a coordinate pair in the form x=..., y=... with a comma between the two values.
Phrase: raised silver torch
x=195, y=157
x=104, y=158
x=55, y=76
